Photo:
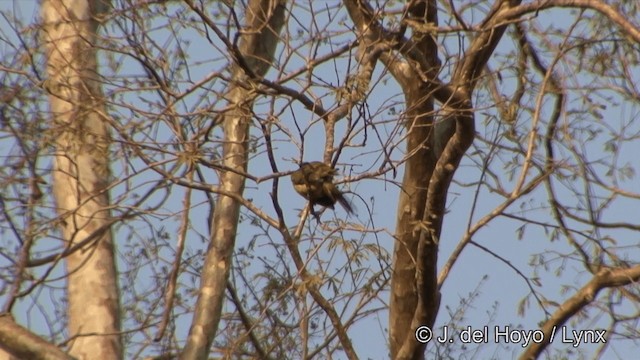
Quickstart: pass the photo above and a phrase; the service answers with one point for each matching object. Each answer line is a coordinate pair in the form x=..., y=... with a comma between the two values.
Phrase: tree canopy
x=488, y=150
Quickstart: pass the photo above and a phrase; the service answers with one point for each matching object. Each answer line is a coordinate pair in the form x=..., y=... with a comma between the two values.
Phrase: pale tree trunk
x=264, y=19
x=81, y=177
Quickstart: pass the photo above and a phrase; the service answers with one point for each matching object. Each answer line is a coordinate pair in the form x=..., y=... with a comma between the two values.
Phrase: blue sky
x=499, y=288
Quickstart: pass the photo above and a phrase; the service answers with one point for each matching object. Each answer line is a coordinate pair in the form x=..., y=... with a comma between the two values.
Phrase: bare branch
x=605, y=278
x=24, y=344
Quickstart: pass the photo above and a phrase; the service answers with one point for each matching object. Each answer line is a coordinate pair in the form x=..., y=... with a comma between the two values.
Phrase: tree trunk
x=419, y=168
x=264, y=20
x=81, y=177
x=415, y=299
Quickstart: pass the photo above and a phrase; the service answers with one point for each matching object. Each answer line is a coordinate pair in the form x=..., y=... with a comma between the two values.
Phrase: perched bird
x=314, y=181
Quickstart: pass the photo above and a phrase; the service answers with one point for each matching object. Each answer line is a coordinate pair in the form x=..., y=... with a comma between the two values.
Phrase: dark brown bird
x=314, y=181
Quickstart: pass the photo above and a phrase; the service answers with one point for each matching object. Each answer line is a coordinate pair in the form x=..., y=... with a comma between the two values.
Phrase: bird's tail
x=345, y=203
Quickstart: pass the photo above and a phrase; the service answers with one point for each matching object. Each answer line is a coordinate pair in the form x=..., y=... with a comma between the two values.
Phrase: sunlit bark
x=81, y=177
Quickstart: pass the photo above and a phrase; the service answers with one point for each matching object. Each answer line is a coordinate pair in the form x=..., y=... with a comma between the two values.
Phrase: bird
x=314, y=181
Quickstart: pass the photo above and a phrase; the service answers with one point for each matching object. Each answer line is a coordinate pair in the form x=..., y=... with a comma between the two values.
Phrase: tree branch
x=23, y=344
x=605, y=278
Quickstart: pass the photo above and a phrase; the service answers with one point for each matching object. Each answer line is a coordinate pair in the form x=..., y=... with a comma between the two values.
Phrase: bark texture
x=23, y=344
x=415, y=299
x=81, y=176
x=436, y=142
x=253, y=57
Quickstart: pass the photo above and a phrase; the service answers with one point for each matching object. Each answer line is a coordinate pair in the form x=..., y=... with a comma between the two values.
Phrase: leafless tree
x=147, y=210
